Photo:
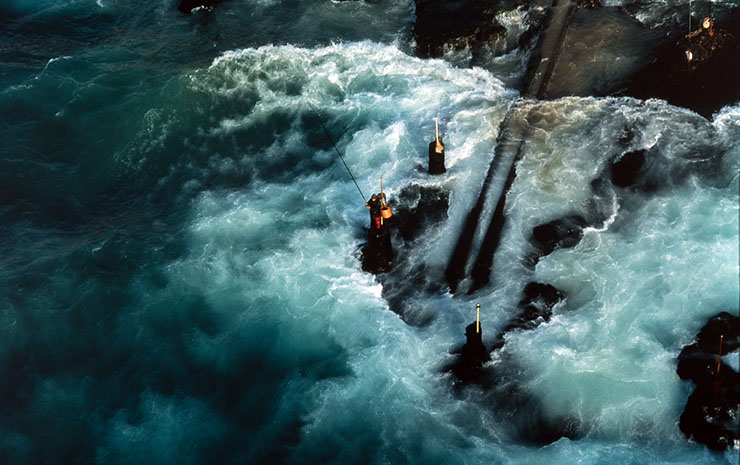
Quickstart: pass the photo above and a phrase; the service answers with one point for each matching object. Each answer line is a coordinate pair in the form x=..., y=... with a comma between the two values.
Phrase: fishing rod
x=328, y=134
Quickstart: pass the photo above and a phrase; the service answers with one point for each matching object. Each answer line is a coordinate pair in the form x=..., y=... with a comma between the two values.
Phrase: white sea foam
x=278, y=254
x=638, y=290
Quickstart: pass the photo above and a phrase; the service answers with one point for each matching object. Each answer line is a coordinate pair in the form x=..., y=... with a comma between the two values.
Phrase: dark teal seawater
x=178, y=272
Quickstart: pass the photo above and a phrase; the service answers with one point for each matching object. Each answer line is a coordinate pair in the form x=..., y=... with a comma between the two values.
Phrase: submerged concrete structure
x=472, y=258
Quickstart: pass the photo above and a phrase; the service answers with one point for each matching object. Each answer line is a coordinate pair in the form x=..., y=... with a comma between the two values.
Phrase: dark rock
x=563, y=232
x=712, y=411
x=186, y=6
x=698, y=360
x=417, y=210
x=626, y=168
x=541, y=295
x=377, y=253
x=467, y=368
x=536, y=306
x=443, y=26
x=710, y=416
x=705, y=85
x=420, y=206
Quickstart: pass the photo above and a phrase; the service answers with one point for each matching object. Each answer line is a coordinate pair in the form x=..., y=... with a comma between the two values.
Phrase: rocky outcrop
x=501, y=384
x=713, y=409
x=472, y=356
x=704, y=84
x=377, y=252
x=563, y=232
x=443, y=26
x=417, y=210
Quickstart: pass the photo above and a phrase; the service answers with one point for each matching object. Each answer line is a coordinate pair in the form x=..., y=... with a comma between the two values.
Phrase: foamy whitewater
x=180, y=267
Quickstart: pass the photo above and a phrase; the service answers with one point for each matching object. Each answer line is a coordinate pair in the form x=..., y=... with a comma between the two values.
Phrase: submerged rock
x=535, y=308
x=713, y=410
x=186, y=6
x=543, y=430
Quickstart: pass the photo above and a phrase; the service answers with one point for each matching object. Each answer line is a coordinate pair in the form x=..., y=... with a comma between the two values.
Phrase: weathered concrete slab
x=549, y=47
x=602, y=49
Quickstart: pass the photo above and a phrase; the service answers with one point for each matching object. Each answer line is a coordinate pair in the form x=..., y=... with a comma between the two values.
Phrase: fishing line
x=328, y=134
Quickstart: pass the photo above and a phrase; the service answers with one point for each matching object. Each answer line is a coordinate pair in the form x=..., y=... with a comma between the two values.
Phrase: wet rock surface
x=417, y=210
x=713, y=410
x=603, y=47
x=443, y=26
x=377, y=252
x=471, y=357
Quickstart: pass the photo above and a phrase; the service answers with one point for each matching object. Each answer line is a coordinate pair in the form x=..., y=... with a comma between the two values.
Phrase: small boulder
x=418, y=207
x=626, y=168
x=563, y=232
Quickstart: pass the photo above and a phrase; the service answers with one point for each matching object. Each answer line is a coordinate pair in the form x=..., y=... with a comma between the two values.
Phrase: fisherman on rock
x=376, y=220
x=378, y=252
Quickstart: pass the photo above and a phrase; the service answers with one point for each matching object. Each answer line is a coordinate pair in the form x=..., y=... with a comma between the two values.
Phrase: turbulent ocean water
x=179, y=258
